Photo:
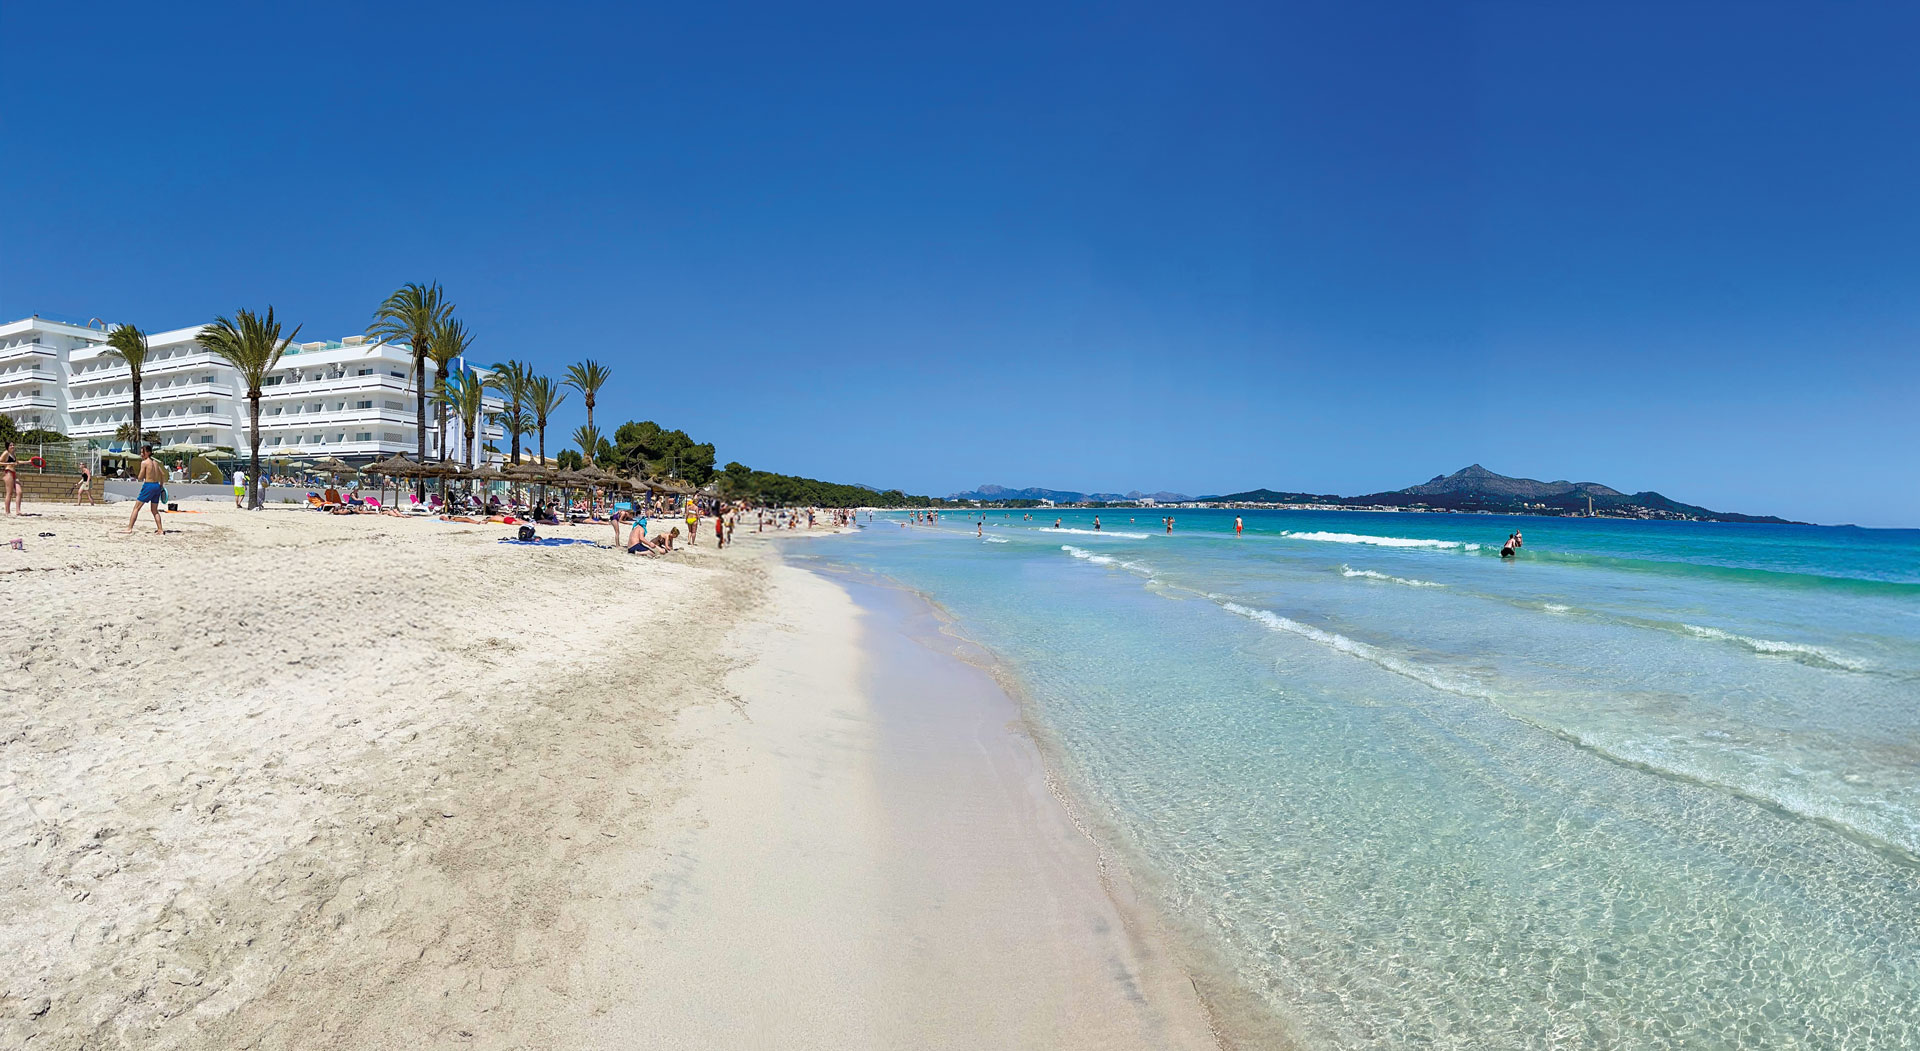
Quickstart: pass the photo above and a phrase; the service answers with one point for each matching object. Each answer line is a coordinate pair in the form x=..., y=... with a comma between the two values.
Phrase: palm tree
x=252, y=345
x=129, y=344
x=587, y=378
x=465, y=395
x=544, y=398
x=510, y=379
x=410, y=316
x=450, y=340
x=588, y=439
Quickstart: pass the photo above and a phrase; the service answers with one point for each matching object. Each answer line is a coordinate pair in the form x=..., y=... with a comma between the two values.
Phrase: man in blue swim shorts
x=152, y=493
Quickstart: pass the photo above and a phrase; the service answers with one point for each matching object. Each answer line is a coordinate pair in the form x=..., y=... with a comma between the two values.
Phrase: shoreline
x=941, y=898
x=281, y=779
x=1237, y=1016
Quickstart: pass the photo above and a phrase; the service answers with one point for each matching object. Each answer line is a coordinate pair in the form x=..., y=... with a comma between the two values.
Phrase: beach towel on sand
x=549, y=541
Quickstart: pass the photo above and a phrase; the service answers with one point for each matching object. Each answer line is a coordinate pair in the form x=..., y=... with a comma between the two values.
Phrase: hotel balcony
x=29, y=350
x=41, y=374
x=153, y=396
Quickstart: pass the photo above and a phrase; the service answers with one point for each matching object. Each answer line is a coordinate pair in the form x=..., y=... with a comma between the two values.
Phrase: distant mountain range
x=1061, y=496
x=1475, y=488
x=1471, y=488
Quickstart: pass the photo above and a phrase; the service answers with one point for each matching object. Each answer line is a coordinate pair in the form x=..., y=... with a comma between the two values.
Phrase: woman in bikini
x=10, y=481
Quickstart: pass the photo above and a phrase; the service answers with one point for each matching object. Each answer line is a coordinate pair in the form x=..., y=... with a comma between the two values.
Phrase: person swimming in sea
x=1512, y=545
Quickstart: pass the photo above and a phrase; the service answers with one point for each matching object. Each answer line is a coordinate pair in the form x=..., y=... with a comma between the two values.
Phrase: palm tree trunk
x=440, y=410
x=420, y=415
x=253, y=436
x=138, y=433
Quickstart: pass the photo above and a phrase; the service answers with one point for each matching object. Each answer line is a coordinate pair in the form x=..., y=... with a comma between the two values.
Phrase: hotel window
x=363, y=404
x=206, y=439
x=399, y=375
x=363, y=436
x=273, y=441
x=364, y=372
x=341, y=437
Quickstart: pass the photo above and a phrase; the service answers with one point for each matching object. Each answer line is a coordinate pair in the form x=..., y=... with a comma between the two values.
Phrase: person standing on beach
x=720, y=530
x=693, y=524
x=83, y=493
x=239, y=488
x=152, y=492
x=10, y=481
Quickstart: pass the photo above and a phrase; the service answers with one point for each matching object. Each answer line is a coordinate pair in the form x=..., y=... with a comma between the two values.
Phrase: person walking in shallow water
x=152, y=492
x=1512, y=545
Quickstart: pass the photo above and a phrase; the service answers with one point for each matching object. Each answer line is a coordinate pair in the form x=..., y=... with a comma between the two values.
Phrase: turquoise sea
x=1648, y=785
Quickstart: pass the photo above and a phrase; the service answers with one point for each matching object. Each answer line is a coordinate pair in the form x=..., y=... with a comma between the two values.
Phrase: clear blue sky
x=1333, y=247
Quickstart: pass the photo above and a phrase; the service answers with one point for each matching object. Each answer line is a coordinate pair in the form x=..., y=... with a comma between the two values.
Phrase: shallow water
x=1646, y=785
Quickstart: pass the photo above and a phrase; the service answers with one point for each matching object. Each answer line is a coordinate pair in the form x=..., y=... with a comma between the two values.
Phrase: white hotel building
x=347, y=398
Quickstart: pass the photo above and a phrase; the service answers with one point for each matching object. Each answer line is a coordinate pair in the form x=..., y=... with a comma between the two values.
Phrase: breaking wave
x=1380, y=541
x=1095, y=532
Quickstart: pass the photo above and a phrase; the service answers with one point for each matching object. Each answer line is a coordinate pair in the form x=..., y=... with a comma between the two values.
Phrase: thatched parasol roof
x=486, y=472
x=333, y=463
x=395, y=466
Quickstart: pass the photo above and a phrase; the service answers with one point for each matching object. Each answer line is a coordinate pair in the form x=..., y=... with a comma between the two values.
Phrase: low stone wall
x=49, y=487
x=127, y=489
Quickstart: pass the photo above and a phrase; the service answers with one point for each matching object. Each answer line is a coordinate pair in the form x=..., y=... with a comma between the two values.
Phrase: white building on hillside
x=347, y=398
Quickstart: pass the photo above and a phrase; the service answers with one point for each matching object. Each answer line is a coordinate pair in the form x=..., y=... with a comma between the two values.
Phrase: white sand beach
x=286, y=780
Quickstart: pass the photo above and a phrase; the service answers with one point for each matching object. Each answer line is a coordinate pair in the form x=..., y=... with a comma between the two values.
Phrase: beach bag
x=526, y=534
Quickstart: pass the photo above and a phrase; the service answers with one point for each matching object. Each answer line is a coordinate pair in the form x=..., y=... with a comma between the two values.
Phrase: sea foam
x=1354, y=648
x=1368, y=574
x=1799, y=651
x=1108, y=560
x=1095, y=532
